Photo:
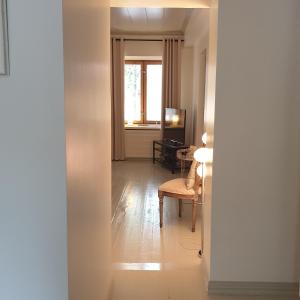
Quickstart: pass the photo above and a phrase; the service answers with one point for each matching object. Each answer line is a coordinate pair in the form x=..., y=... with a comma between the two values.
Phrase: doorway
x=148, y=261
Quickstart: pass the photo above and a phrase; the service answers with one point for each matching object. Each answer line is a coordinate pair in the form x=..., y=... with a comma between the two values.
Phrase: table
x=167, y=150
x=185, y=156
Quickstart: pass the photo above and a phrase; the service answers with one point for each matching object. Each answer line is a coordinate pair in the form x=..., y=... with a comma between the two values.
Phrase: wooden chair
x=176, y=188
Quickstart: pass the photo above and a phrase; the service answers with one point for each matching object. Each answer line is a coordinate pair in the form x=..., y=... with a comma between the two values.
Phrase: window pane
x=154, y=90
x=132, y=92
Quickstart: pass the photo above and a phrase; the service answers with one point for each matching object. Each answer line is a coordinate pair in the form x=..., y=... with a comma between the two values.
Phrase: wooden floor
x=137, y=237
x=149, y=262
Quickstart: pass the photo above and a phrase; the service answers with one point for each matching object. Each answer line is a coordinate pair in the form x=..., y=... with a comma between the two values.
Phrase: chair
x=177, y=188
x=185, y=156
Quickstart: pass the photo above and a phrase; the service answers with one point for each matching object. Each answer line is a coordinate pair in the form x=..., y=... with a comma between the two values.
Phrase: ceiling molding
x=161, y=3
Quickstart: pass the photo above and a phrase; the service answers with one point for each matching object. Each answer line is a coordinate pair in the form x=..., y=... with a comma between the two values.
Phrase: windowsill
x=143, y=127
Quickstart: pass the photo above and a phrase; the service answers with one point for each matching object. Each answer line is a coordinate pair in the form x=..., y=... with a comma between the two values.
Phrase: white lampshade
x=201, y=155
x=204, y=138
x=200, y=171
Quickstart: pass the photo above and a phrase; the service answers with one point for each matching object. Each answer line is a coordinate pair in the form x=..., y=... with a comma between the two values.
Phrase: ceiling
x=161, y=3
x=149, y=20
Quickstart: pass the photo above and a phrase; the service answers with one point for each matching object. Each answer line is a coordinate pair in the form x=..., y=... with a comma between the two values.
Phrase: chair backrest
x=198, y=181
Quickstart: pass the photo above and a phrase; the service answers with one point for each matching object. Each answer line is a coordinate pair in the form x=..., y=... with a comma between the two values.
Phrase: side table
x=167, y=150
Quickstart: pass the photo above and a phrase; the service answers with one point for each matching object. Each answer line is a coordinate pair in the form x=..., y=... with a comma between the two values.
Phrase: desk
x=167, y=150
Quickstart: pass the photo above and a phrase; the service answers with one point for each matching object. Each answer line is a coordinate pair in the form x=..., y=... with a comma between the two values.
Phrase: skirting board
x=253, y=288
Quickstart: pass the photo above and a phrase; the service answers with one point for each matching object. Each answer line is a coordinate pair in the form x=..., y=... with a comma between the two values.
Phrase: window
x=143, y=89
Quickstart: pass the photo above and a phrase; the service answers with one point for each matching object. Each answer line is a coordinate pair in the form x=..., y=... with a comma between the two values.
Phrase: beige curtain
x=171, y=73
x=117, y=94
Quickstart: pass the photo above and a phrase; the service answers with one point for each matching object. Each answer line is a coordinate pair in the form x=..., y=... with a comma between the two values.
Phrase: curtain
x=117, y=94
x=171, y=73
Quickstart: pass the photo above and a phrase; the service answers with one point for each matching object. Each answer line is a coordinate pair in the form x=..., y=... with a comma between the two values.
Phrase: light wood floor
x=149, y=262
x=137, y=237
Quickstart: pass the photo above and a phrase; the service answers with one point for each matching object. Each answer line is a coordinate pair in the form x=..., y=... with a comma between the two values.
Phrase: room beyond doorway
x=144, y=255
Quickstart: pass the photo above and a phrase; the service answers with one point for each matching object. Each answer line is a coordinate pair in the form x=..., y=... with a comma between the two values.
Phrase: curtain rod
x=150, y=38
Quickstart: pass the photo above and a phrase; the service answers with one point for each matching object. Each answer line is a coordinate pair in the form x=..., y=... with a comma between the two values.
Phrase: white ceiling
x=161, y=3
x=149, y=20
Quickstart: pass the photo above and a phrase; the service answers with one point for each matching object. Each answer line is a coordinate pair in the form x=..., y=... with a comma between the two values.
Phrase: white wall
x=201, y=33
x=187, y=90
x=33, y=230
x=196, y=36
x=143, y=48
x=138, y=143
x=199, y=79
x=87, y=97
x=197, y=28
x=256, y=158
x=209, y=124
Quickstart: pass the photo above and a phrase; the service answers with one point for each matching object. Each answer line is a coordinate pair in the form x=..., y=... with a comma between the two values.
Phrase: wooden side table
x=167, y=150
x=185, y=156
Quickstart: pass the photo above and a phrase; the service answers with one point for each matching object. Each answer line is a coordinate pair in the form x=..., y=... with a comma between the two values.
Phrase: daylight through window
x=143, y=90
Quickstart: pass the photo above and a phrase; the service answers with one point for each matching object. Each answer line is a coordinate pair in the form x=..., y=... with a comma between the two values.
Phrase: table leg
x=179, y=208
x=161, y=210
x=173, y=161
x=153, y=152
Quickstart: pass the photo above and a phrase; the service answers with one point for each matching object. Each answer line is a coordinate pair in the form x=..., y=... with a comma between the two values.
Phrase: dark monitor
x=174, y=124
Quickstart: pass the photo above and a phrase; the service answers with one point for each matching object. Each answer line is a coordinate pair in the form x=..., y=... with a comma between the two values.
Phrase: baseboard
x=253, y=288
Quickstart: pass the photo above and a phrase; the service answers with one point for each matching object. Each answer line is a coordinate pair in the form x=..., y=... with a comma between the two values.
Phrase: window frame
x=143, y=64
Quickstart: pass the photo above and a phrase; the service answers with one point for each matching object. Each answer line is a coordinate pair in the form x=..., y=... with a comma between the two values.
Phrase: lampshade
x=204, y=138
x=200, y=171
x=201, y=155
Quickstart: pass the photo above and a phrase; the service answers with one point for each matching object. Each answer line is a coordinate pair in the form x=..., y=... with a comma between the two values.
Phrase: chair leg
x=180, y=207
x=194, y=212
x=161, y=210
